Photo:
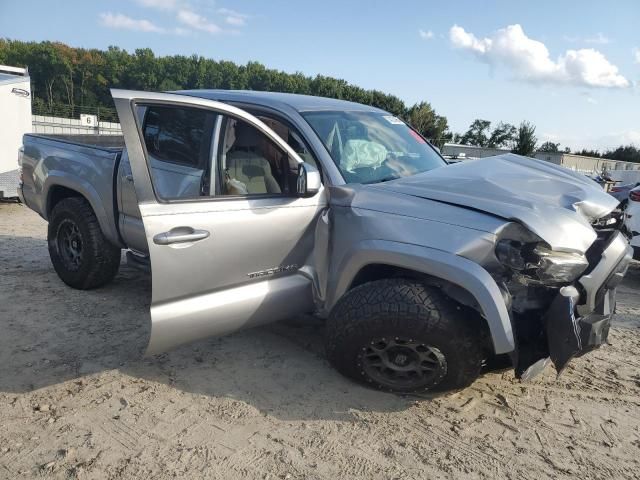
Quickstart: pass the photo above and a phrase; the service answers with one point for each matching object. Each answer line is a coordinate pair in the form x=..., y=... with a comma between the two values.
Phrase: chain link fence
x=76, y=120
x=104, y=114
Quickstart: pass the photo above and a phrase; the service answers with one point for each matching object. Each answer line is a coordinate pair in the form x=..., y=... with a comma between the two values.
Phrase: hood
x=553, y=202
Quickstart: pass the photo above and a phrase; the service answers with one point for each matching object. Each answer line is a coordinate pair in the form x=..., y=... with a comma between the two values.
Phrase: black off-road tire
x=94, y=261
x=400, y=310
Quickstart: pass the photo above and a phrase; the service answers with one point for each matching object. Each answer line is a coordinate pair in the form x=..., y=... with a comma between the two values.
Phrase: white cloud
x=625, y=137
x=607, y=141
x=529, y=59
x=197, y=22
x=159, y=4
x=598, y=39
x=123, y=22
x=427, y=35
x=461, y=39
x=231, y=17
x=636, y=55
x=189, y=16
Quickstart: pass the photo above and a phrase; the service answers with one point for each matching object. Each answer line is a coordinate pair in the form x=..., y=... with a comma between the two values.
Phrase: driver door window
x=178, y=143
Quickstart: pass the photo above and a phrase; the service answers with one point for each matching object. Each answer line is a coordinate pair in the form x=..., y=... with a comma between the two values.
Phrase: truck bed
x=55, y=166
x=108, y=142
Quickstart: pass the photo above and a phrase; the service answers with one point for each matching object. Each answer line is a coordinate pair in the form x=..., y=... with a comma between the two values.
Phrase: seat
x=245, y=164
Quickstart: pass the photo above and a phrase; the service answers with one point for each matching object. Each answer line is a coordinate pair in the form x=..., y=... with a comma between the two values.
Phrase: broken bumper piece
x=566, y=335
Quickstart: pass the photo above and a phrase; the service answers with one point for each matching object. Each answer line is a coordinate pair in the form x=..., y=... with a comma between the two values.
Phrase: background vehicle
x=15, y=117
x=621, y=192
x=633, y=220
x=251, y=207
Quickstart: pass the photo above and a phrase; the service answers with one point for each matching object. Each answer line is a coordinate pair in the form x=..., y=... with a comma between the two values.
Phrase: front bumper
x=569, y=336
x=579, y=321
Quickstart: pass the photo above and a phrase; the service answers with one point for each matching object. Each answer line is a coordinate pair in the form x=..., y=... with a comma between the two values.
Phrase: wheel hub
x=69, y=243
x=400, y=359
x=403, y=362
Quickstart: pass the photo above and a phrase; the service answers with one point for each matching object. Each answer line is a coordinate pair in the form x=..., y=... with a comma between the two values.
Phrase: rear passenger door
x=229, y=238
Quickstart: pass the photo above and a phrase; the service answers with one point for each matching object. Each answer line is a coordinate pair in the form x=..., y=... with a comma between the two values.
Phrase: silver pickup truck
x=251, y=207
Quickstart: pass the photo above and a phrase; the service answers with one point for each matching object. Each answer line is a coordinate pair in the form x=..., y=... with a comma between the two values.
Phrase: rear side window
x=178, y=142
x=178, y=135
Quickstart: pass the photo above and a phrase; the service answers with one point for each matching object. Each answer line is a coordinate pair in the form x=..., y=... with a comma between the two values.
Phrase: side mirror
x=309, y=181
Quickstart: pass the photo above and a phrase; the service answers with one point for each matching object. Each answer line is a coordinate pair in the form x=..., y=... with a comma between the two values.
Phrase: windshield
x=370, y=147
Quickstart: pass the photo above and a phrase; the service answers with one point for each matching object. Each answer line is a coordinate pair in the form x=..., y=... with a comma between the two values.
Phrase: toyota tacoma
x=251, y=207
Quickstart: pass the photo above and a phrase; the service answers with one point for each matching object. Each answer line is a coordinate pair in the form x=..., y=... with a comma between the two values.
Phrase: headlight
x=559, y=267
x=535, y=260
x=512, y=254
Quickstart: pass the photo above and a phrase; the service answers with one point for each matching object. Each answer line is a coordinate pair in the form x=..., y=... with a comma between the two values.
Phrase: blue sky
x=570, y=67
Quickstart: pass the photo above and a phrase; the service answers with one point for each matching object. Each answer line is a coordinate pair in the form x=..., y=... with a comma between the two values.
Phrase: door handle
x=180, y=235
x=128, y=178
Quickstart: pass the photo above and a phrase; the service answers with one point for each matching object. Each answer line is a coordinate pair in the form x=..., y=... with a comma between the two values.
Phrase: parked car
x=621, y=192
x=633, y=220
x=250, y=207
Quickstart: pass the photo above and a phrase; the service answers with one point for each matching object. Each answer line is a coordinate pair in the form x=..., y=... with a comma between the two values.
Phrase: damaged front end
x=560, y=303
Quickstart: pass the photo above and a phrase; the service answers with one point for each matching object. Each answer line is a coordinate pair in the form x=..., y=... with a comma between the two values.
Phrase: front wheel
x=402, y=336
x=80, y=253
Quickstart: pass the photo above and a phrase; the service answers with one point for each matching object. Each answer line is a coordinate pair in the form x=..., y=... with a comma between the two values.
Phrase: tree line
x=522, y=140
x=79, y=80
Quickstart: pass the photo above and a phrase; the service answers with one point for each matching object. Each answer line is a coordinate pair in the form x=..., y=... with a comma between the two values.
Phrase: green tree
x=588, y=153
x=62, y=75
x=477, y=134
x=424, y=119
x=628, y=153
x=144, y=70
x=502, y=136
x=525, y=140
x=549, y=147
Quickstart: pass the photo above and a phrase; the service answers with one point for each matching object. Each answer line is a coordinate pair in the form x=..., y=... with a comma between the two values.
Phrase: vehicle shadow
x=54, y=334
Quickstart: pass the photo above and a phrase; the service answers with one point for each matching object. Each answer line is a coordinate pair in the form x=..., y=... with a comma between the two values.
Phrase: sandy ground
x=77, y=400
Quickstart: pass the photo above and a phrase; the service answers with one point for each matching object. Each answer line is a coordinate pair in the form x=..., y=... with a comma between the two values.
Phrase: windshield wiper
x=383, y=179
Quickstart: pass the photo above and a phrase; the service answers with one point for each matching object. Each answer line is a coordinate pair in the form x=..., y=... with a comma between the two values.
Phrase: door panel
x=222, y=312
x=245, y=264
x=131, y=227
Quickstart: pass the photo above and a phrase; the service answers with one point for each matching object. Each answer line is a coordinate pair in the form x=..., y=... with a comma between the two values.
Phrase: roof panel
x=301, y=103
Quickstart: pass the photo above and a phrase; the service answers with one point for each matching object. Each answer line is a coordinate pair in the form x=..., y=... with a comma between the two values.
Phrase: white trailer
x=15, y=121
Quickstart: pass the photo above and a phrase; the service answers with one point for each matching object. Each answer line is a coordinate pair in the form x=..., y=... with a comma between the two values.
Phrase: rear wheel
x=402, y=336
x=81, y=255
